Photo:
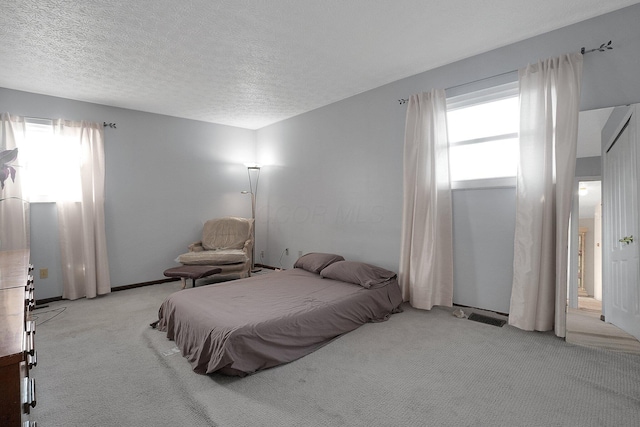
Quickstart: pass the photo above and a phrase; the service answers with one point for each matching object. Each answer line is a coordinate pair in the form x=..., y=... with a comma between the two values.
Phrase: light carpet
x=100, y=364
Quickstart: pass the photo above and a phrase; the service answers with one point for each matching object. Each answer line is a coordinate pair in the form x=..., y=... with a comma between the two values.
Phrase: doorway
x=589, y=248
x=585, y=325
x=588, y=319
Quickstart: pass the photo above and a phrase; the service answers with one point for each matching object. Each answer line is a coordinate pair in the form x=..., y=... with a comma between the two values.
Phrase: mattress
x=242, y=326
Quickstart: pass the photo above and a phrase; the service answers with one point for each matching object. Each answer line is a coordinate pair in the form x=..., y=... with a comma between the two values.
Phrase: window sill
x=473, y=184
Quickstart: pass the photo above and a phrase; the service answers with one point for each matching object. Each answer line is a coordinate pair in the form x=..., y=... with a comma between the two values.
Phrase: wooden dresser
x=17, y=340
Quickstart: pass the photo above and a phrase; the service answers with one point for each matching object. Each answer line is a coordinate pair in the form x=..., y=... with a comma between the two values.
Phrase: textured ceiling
x=253, y=63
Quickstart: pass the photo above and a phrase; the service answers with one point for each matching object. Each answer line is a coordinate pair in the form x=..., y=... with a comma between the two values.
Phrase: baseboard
x=114, y=289
x=46, y=301
x=269, y=267
x=137, y=285
x=140, y=285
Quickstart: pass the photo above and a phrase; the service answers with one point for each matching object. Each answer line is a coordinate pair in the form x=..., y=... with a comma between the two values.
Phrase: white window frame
x=473, y=96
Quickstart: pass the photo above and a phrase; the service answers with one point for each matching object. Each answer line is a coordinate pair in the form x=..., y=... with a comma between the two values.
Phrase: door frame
x=572, y=292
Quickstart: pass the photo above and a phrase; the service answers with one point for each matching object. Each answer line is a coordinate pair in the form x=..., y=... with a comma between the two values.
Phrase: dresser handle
x=29, y=344
x=28, y=297
x=32, y=360
x=29, y=300
x=29, y=393
x=30, y=326
x=32, y=382
x=29, y=285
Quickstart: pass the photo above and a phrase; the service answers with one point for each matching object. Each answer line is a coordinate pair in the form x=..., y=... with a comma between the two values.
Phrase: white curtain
x=426, y=255
x=549, y=106
x=81, y=225
x=13, y=209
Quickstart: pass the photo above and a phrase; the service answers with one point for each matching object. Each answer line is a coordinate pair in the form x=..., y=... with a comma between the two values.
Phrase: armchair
x=226, y=243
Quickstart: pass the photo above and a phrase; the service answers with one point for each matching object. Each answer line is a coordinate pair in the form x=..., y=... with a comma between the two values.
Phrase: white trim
x=471, y=184
x=477, y=85
x=490, y=94
x=514, y=135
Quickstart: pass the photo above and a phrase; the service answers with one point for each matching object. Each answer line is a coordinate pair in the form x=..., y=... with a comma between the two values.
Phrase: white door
x=622, y=294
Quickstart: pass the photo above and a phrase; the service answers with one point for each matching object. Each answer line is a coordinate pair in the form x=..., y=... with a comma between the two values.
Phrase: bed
x=243, y=326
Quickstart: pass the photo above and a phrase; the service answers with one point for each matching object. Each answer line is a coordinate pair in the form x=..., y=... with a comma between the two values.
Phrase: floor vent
x=486, y=319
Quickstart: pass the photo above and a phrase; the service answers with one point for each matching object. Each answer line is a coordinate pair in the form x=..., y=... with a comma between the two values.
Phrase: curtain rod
x=105, y=124
x=603, y=48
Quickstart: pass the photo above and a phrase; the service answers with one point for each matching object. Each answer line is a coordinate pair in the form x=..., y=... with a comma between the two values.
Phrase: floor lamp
x=254, y=175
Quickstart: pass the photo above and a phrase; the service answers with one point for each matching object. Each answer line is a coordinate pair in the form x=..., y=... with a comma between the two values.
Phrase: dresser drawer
x=18, y=395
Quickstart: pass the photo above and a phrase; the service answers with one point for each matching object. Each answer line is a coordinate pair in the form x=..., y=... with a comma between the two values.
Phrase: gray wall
x=332, y=179
x=347, y=157
x=165, y=177
x=332, y=183
x=588, y=167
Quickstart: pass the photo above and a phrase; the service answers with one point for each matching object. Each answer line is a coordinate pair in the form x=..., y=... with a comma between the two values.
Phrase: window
x=51, y=163
x=483, y=136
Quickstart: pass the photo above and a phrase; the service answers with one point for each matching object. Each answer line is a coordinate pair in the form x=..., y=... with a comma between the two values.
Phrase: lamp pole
x=254, y=175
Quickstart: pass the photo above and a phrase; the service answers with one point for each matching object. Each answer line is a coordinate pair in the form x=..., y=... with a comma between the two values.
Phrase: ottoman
x=192, y=272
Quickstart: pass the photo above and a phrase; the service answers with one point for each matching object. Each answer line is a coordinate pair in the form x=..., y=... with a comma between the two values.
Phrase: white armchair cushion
x=214, y=257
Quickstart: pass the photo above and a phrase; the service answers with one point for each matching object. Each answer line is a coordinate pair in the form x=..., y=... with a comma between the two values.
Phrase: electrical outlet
x=261, y=254
x=286, y=251
x=299, y=254
x=44, y=273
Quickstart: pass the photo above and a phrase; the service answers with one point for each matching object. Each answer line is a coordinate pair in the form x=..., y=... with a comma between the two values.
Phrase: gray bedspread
x=243, y=326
